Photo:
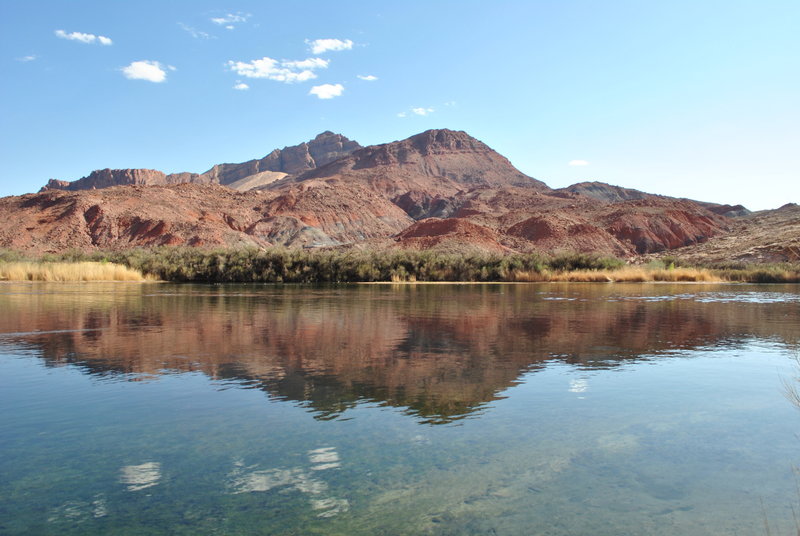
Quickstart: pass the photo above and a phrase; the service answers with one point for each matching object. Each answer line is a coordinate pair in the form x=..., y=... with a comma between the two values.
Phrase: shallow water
x=399, y=409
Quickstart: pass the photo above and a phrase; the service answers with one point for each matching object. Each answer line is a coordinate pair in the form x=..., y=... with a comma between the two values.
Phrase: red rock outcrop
x=454, y=233
x=106, y=178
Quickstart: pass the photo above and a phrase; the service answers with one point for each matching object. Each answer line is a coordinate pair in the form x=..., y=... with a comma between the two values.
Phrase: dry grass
x=68, y=271
x=528, y=276
x=630, y=274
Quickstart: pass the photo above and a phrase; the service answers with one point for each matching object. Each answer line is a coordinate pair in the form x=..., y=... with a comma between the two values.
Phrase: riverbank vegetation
x=280, y=265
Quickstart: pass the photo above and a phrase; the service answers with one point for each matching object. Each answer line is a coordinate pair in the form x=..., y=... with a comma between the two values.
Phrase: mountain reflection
x=441, y=352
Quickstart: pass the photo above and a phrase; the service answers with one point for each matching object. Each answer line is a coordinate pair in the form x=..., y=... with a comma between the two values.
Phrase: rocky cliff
x=325, y=148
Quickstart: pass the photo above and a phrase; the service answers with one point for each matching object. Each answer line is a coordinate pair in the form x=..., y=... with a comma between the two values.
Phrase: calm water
x=427, y=409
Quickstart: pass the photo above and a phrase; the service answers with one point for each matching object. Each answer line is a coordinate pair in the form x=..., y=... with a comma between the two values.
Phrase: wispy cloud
x=422, y=111
x=416, y=111
x=194, y=32
x=320, y=46
x=241, y=86
x=368, y=77
x=327, y=91
x=230, y=20
x=152, y=71
x=578, y=163
x=25, y=59
x=84, y=37
x=282, y=71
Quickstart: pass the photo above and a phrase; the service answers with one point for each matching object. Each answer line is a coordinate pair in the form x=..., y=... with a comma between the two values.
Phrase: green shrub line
x=281, y=265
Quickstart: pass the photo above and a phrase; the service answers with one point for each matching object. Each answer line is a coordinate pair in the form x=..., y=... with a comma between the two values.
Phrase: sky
x=697, y=99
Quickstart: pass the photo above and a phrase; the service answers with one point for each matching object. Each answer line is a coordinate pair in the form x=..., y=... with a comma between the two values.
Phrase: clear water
x=410, y=409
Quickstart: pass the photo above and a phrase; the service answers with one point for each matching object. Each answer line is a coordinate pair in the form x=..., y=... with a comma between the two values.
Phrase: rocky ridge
x=296, y=159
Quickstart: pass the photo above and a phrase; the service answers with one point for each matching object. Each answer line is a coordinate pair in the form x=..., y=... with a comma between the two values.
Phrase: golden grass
x=68, y=271
x=629, y=274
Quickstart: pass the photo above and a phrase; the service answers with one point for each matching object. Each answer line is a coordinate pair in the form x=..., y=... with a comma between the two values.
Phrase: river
x=500, y=409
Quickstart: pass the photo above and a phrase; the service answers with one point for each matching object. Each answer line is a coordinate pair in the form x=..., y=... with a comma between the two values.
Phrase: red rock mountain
x=438, y=189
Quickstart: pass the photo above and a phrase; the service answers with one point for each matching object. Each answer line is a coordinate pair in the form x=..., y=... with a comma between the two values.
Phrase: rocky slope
x=439, y=189
x=768, y=236
x=194, y=215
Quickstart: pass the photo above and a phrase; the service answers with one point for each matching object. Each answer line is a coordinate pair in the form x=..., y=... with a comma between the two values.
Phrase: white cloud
x=318, y=46
x=368, y=78
x=25, y=59
x=152, y=71
x=327, y=91
x=310, y=63
x=281, y=71
x=194, y=32
x=228, y=20
x=83, y=37
x=578, y=163
x=241, y=86
x=401, y=114
x=422, y=111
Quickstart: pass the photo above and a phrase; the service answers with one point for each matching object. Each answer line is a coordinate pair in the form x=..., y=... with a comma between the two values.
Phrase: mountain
x=296, y=159
x=439, y=189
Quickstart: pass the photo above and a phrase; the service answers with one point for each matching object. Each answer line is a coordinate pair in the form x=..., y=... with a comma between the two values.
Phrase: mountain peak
x=437, y=140
x=326, y=134
x=436, y=162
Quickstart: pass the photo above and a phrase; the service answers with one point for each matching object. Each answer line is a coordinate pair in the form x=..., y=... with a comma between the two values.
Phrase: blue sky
x=686, y=98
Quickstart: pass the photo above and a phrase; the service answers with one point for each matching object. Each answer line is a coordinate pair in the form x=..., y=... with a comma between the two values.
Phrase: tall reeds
x=67, y=271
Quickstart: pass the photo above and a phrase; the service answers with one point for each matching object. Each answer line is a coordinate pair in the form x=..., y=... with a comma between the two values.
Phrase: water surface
x=409, y=409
